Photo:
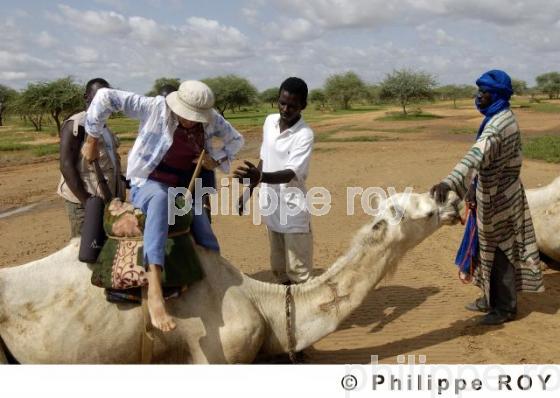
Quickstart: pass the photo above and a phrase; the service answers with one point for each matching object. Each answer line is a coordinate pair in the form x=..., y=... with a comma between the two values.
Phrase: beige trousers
x=291, y=256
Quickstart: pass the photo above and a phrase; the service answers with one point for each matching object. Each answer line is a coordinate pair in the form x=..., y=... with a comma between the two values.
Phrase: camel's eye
x=431, y=214
x=396, y=212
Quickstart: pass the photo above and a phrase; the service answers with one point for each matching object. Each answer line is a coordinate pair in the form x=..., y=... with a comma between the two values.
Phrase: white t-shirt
x=290, y=149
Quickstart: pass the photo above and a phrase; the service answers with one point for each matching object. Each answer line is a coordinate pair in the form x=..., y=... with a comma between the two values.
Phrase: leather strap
x=147, y=347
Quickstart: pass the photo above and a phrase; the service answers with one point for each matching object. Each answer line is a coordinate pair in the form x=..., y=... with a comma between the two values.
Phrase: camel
x=544, y=204
x=50, y=313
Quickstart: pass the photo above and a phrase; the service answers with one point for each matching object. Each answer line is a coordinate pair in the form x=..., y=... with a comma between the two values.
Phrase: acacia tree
x=343, y=88
x=29, y=105
x=270, y=96
x=61, y=98
x=58, y=98
x=519, y=86
x=373, y=92
x=7, y=95
x=162, y=82
x=454, y=92
x=231, y=92
x=318, y=97
x=549, y=83
x=405, y=86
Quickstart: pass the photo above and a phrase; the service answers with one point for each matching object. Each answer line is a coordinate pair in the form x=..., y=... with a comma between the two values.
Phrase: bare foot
x=156, y=305
x=158, y=314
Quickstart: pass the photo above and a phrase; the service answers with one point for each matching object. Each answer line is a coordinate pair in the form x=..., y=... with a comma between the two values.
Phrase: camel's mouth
x=450, y=212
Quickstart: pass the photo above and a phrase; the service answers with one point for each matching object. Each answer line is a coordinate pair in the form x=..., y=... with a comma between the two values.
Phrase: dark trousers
x=76, y=214
x=503, y=292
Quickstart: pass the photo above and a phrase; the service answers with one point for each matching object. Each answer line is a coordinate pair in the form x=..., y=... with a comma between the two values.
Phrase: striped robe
x=503, y=216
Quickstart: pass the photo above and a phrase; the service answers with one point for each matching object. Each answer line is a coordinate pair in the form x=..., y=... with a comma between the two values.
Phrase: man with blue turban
x=499, y=248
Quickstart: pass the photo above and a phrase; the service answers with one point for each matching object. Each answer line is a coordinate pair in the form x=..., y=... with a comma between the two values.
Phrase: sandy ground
x=420, y=309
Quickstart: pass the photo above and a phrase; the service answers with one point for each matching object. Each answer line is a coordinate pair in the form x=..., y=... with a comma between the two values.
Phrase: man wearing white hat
x=173, y=131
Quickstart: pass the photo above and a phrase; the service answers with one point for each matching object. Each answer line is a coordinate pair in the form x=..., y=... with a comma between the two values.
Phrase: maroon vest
x=178, y=164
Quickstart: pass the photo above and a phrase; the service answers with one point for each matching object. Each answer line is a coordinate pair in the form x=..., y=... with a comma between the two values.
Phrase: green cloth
x=182, y=265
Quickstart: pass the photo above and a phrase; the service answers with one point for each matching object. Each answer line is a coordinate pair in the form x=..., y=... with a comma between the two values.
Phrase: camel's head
x=410, y=218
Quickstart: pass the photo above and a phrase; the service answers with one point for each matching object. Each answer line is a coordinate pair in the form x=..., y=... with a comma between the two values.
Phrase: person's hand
x=470, y=197
x=89, y=149
x=439, y=192
x=249, y=171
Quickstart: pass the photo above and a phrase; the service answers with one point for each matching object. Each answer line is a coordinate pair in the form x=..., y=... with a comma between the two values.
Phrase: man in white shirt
x=282, y=171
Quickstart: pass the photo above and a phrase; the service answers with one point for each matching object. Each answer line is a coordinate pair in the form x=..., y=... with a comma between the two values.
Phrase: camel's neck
x=324, y=303
x=321, y=304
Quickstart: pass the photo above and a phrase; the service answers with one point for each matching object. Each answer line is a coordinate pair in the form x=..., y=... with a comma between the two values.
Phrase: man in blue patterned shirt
x=173, y=131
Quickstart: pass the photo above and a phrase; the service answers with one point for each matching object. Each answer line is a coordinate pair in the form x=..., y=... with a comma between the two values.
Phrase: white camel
x=50, y=313
x=544, y=204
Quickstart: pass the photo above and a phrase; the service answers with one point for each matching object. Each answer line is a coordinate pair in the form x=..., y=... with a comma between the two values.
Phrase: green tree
x=7, y=96
x=373, y=92
x=533, y=93
x=549, y=83
x=270, y=96
x=161, y=82
x=343, y=88
x=405, y=86
x=232, y=92
x=29, y=104
x=454, y=92
x=519, y=86
x=61, y=98
x=58, y=98
x=317, y=96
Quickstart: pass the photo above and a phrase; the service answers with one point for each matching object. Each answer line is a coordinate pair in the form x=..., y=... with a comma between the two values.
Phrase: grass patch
x=10, y=146
x=399, y=116
x=16, y=137
x=404, y=129
x=123, y=125
x=126, y=138
x=464, y=131
x=358, y=138
x=545, y=107
x=328, y=137
x=543, y=148
x=45, y=149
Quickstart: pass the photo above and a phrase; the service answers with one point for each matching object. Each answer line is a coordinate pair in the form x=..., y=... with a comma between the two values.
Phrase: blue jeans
x=151, y=198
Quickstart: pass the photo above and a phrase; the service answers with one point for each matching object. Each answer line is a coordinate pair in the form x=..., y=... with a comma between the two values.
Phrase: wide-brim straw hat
x=193, y=101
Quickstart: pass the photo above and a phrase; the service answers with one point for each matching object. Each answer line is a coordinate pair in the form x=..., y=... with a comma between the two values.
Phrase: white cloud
x=94, y=22
x=85, y=55
x=372, y=13
x=313, y=39
x=12, y=75
x=9, y=60
x=45, y=40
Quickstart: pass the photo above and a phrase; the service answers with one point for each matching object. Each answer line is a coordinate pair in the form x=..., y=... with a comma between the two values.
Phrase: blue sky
x=131, y=43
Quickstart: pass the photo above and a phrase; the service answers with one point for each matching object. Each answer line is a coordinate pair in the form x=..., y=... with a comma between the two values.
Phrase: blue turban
x=498, y=84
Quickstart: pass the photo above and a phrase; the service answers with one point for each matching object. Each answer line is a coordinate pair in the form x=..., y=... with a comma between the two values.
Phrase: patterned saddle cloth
x=120, y=263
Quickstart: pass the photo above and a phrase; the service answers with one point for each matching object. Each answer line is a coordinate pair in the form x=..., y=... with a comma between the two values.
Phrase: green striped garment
x=503, y=216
